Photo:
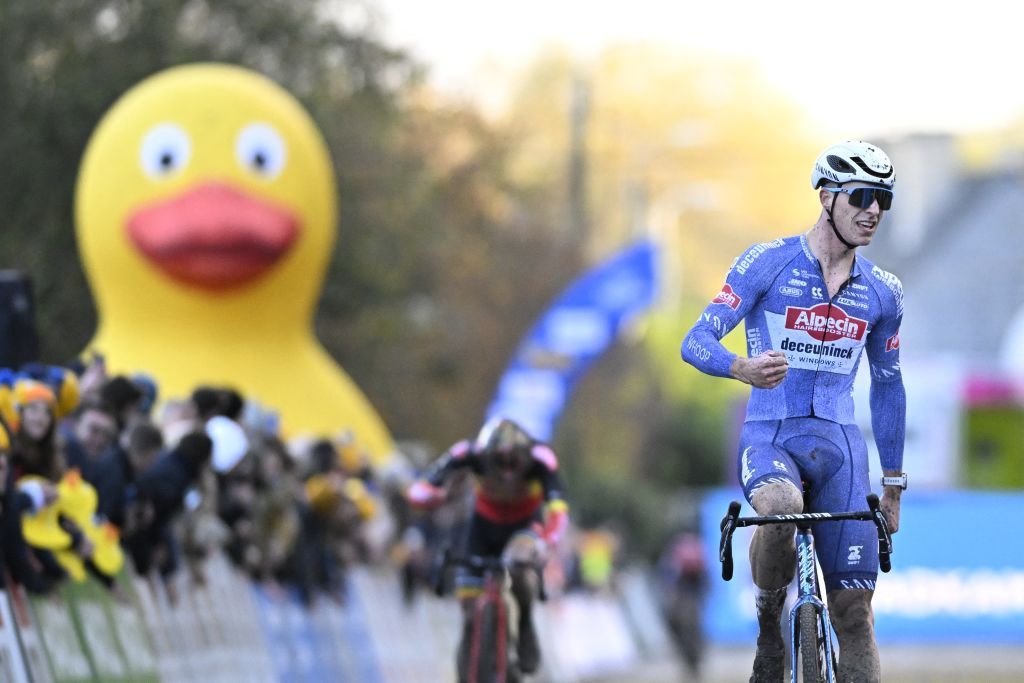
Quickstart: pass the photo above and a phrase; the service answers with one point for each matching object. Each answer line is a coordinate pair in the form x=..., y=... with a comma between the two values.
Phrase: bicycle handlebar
x=733, y=521
x=488, y=563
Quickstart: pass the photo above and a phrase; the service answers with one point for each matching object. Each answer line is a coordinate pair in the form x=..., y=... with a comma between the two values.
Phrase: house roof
x=963, y=286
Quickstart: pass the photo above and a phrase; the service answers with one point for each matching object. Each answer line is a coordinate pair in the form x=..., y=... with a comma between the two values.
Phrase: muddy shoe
x=529, y=649
x=769, y=662
x=770, y=659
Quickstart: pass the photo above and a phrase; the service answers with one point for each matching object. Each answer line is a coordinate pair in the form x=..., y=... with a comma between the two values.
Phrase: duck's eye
x=260, y=149
x=165, y=150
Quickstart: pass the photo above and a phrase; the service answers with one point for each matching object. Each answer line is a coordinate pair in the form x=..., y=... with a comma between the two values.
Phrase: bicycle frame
x=807, y=568
x=495, y=592
x=809, y=592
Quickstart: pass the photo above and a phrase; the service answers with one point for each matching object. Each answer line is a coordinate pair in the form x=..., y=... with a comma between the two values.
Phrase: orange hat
x=29, y=390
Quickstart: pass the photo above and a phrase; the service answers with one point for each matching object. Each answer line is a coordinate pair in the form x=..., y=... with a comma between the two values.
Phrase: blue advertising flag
x=580, y=325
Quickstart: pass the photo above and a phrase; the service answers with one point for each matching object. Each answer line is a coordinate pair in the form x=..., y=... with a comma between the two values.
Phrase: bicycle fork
x=808, y=593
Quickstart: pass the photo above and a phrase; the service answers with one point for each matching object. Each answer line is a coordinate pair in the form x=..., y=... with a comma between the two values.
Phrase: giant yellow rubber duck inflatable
x=205, y=214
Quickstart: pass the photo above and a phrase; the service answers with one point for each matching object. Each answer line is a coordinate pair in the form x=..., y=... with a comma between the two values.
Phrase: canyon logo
x=824, y=324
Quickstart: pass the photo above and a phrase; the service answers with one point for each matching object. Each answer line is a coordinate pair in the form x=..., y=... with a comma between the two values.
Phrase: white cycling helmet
x=852, y=160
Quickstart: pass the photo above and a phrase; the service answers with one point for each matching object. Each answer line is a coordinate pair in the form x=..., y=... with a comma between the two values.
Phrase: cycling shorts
x=486, y=538
x=832, y=459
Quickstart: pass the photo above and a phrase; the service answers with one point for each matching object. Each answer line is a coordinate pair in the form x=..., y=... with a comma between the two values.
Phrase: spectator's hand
x=426, y=496
x=765, y=371
x=49, y=493
x=85, y=548
x=94, y=375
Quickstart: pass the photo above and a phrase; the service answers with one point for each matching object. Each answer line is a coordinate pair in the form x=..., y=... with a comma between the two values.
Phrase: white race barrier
x=225, y=629
x=12, y=663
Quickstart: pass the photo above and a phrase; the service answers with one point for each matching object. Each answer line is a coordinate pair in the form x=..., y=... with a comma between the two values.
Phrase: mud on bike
x=812, y=645
x=491, y=656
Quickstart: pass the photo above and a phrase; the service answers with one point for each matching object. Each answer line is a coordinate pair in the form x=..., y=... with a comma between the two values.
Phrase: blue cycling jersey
x=779, y=289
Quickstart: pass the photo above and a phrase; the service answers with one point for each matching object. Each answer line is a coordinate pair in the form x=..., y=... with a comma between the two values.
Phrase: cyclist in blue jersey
x=812, y=305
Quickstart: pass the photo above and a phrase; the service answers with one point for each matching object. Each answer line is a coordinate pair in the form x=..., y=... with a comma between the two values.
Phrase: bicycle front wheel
x=491, y=655
x=811, y=646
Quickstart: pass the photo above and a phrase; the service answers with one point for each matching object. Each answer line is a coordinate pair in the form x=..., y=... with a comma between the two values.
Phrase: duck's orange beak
x=214, y=236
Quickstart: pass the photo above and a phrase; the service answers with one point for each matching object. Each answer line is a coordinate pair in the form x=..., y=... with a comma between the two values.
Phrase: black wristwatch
x=900, y=481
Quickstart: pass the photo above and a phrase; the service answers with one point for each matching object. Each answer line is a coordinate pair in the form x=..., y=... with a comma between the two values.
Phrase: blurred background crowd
x=97, y=476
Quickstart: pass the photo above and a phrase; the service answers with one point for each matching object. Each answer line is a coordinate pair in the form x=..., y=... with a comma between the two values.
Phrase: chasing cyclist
x=519, y=512
x=812, y=305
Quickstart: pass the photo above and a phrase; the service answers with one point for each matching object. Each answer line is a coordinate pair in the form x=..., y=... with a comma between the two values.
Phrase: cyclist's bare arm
x=890, y=502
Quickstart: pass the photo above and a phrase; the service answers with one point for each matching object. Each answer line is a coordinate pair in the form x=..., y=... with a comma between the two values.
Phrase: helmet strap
x=831, y=221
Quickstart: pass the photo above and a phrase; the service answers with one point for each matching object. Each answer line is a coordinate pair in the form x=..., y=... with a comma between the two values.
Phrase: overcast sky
x=873, y=66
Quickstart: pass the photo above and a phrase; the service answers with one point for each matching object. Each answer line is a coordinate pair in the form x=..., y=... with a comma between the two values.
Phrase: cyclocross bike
x=491, y=656
x=812, y=645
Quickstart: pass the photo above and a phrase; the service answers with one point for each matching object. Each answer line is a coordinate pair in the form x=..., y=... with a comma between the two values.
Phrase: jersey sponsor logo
x=854, y=556
x=814, y=349
x=817, y=293
x=885, y=373
x=797, y=283
x=747, y=260
x=754, y=344
x=805, y=274
x=819, y=338
x=892, y=343
x=790, y=291
x=699, y=352
x=746, y=471
x=715, y=322
x=728, y=297
x=894, y=285
x=825, y=323
x=845, y=301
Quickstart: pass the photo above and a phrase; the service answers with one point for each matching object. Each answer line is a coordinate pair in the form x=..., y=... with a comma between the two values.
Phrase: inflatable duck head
x=205, y=216
x=206, y=191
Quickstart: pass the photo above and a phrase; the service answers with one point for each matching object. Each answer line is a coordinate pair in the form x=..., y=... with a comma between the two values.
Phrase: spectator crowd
x=98, y=471
x=101, y=475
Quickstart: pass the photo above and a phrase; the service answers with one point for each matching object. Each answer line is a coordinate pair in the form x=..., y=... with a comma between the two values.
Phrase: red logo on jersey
x=728, y=297
x=825, y=323
x=893, y=342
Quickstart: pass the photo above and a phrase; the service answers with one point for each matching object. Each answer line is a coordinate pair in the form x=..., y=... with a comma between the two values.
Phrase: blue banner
x=581, y=324
x=957, y=572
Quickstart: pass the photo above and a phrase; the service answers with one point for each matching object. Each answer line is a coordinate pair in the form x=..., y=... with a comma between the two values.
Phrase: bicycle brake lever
x=725, y=549
x=884, y=537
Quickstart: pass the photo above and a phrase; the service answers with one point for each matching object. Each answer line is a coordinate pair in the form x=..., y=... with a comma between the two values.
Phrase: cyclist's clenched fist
x=765, y=371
